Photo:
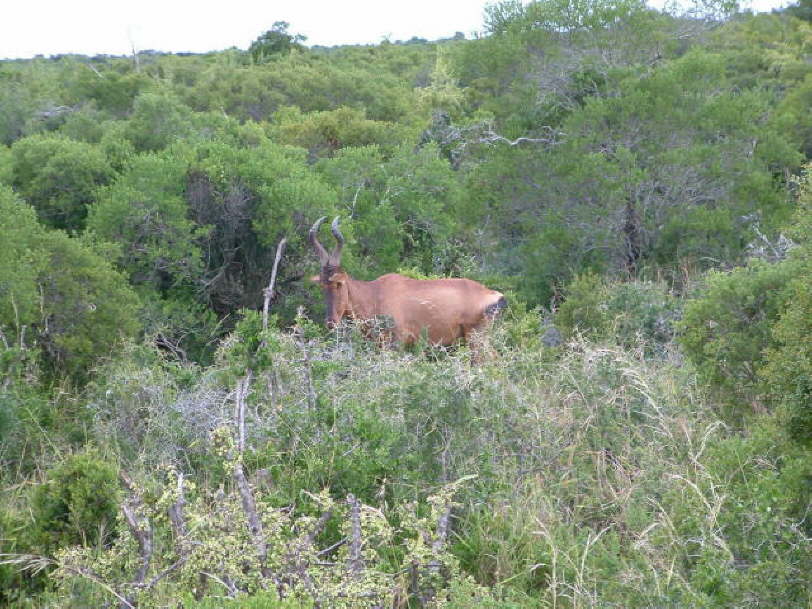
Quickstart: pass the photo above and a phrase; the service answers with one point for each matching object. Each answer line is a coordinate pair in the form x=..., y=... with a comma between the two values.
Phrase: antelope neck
x=361, y=299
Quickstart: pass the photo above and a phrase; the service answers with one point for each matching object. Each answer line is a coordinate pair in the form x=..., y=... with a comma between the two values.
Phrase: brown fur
x=445, y=310
x=400, y=308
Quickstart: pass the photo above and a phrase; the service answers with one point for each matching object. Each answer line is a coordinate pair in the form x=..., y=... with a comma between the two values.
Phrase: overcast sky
x=90, y=27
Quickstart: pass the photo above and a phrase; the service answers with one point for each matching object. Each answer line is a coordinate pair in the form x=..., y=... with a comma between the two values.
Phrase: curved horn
x=314, y=240
x=335, y=257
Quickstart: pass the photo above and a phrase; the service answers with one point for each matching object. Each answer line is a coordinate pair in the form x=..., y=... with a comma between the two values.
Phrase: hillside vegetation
x=634, y=181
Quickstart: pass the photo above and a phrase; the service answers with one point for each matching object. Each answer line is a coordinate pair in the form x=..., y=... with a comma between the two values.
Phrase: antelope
x=441, y=310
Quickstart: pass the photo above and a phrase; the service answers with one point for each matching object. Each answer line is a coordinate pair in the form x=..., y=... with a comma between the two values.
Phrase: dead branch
x=178, y=522
x=240, y=394
x=489, y=136
x=333, y=547
x=249, y=505
x=307, y=540
x=269, y=291
x=355, y=563
x=96, y=579
x=308, y=369
x=442, y=529
x=141, y=531
x=92, y=68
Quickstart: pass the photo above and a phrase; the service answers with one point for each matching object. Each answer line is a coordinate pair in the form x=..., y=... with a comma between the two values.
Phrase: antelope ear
x=315, y=279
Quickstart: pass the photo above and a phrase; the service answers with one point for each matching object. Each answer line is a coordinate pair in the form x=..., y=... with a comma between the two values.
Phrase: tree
x=57, y=294
x=59, y=177
x=276, y=41
x=158, y=119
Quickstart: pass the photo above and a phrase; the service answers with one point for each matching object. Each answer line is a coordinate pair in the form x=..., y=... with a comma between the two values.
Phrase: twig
x=96, y=579
x=335, y=546
x=308, y=370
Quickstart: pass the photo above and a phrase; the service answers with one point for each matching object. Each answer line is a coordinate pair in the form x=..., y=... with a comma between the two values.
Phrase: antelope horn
x=324, y=257
x=335, y=257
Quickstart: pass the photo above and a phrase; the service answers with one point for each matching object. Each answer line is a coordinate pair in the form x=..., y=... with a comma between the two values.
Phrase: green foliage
x=85, y=124
x=145, y=214
x=57, y=294
x=788, y=370
x=113, y=90
x=224, y=545
x=16, y=106
x=77, y=503
x=59, y=177
x=158, y=120
x=630, y=312
x=6, y=171
x=607, y=147
x=275, y=41
x=727, y=328
x=261, y=600
x=324, y=133
x=403, y=207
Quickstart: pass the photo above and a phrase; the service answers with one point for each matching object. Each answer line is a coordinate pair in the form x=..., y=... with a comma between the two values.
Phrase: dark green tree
x=58, y=295
x=276, y=41
x=59, y=177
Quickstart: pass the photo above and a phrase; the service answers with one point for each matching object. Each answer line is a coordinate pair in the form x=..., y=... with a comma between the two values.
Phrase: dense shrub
x=158, y=120
x=628, y=312
x=77, y=503
x=57, y=294
x=788, y=371
x=728, y=326
x=59, y=177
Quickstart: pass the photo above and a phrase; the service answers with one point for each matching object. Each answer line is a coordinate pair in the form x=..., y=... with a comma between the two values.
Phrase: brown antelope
x=442, y=310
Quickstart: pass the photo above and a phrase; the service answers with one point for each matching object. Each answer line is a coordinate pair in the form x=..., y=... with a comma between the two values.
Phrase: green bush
x=627, y=312
x=59, y=177
x=77, y=503
x=728, y=326
x=262, y=600
x=788, y=370
x=57, y=294
x=158, y=120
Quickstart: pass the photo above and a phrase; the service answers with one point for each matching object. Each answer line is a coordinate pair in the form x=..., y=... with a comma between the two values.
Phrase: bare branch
x=249, y=505
x=442, y=529
x=96, y=579
x=307, y=540
x=355, y=563
x=491, y=137
x=142, y=532
x=269, y=291
x=240, y=394
x=335, y=546
x=178, y=522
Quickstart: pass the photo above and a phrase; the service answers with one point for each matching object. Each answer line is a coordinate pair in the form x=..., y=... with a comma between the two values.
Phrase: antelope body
x=402, y=308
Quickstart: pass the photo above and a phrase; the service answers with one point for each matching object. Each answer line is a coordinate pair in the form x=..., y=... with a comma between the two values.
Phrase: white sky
x=49, y=27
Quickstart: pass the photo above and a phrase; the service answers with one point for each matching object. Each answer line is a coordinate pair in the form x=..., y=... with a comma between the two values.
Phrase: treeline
x=634, y=180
